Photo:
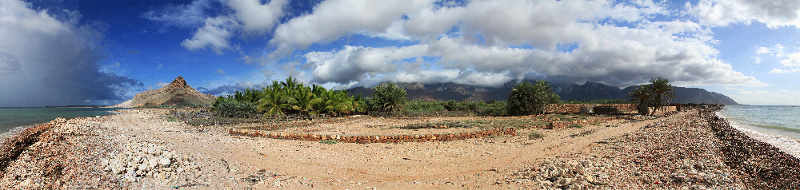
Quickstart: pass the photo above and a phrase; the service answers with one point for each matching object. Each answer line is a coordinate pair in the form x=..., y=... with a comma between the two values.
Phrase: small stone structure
x=375, y=138
x=580, y=108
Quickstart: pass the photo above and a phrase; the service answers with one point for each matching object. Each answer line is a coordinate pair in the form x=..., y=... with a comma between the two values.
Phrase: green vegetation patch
x=578, y=126
x=527, y=98
x=507, y=122
x=427, y=125
x=171, y=118
x=329, y=141
x=290, y=98
x=535, y=135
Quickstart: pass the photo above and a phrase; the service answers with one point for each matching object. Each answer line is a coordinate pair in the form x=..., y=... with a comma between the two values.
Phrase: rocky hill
x=176, y=93
x=585, y=92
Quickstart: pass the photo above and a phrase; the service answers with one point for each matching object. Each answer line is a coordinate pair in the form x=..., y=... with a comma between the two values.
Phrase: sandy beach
x=147, y=148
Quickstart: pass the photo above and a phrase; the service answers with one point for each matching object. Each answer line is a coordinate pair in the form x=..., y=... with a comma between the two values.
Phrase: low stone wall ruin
x=576, y=108
x=375, y=138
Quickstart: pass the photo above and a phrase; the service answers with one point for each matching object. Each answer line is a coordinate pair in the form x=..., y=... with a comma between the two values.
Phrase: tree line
x=292, y=97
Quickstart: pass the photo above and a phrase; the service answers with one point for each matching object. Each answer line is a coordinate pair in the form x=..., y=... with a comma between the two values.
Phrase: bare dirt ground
x=146, y=148
x=236, y=161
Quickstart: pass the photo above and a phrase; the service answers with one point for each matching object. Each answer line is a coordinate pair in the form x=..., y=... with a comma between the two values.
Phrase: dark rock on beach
x=766, y=166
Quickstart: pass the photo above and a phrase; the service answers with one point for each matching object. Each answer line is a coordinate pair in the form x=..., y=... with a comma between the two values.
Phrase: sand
x=207, y=157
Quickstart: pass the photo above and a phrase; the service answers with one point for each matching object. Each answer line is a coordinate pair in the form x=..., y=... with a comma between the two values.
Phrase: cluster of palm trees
x=657, y=94
x=292, y=97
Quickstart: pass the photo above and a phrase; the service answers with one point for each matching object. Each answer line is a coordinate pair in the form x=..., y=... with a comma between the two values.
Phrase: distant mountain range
x=585, y=92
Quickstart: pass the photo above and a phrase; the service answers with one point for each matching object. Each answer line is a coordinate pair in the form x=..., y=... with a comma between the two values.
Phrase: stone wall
x=665, y=109
x=576, y=108
x=375, y=138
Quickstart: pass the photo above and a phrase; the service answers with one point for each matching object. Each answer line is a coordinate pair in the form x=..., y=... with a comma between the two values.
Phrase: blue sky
x=104, y=52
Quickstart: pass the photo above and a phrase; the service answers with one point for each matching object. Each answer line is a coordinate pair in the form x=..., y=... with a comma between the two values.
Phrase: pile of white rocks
x=569, y=173
x=148, y=160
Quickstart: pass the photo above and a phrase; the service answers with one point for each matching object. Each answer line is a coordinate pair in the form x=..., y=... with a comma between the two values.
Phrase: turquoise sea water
x=777, y=125
x=16, y=118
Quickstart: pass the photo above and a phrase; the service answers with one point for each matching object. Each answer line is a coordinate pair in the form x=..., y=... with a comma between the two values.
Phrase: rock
x=117, y=168
x=164, y=162
x=130, y=176
x=143, y=167
x=103, y=162
x=152, y=163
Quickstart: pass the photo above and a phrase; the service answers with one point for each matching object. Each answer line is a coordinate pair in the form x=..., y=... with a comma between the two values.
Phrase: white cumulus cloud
x=790, y=62
x=774, y=13
x=479, y=43
x=215, y=34
x=249, y=17
x=255, y=17
x=333, y=19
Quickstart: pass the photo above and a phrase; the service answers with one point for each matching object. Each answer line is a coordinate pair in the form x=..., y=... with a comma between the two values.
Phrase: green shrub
x=228, y=107
x=421, y=106
x=495, y=108
x=389, y=97
x=535, y=135
x=171, y=118
x=329, y=142
x=527, y=98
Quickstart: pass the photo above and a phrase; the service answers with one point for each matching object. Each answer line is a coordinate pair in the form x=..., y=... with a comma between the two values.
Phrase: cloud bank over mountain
x=488, y=43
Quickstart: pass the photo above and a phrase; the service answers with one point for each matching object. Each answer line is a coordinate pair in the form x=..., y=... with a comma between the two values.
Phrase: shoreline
x=15, y=130
x=74, y=152
x=785, y=143
x=772, y=167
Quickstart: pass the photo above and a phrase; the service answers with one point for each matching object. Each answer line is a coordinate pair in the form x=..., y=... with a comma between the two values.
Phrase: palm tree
x=337, y=102
x=661, y=91
x=290, y=85
x=247, y=95
x=389, y=97
x=642, y=94
x=304, y=101
x=321, y=93
x=274, y=101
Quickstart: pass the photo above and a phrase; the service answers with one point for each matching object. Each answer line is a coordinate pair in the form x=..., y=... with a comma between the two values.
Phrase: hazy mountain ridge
x=569, y=91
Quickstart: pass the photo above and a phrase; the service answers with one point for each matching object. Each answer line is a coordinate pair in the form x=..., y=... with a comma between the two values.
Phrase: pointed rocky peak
x=178, y=83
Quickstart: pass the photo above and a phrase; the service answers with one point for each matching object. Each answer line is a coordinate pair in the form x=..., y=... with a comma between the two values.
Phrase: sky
x=69, y=52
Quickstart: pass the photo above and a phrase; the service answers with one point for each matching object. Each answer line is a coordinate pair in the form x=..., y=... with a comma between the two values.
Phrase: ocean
x=776, y=125
x=16, y=119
